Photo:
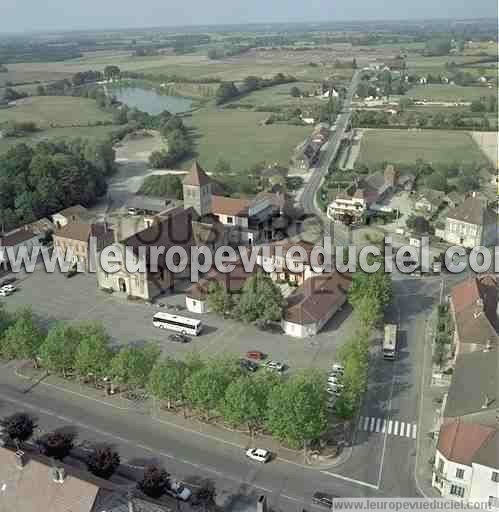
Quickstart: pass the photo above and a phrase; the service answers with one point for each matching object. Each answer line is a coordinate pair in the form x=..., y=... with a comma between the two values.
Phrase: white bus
x=177, y=323
x=390, y=342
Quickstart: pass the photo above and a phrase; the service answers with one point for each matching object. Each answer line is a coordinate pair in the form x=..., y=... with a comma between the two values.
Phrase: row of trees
x=179, y=142
x=40, y=180
x=162, y=186
x=260, y=300
x=369, y=295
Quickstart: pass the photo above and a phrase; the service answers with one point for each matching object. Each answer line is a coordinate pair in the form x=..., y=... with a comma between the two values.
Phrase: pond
x=150, y=101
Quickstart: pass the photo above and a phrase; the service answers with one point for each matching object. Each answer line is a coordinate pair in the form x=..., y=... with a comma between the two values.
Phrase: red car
x=255, y=354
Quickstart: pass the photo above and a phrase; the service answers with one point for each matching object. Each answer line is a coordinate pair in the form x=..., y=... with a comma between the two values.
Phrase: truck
x=390, y=342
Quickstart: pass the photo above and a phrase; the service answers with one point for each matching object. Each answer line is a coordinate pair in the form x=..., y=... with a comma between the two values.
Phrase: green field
x=55, y=110
x=86, y=132
x=406, y=146
x=448, y=92
x=239, y=138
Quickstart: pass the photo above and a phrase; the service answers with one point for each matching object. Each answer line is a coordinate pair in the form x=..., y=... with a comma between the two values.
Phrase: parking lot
x=55, y=297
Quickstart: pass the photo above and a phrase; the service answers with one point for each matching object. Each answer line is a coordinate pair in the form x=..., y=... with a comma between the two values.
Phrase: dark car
x=179, y=338
x=248, y=365
x=9, y=280
x=323, y=498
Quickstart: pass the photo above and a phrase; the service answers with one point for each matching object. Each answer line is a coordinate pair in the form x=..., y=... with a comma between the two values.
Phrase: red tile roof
x=230, y=206
x=459, y=442
x=16, y=237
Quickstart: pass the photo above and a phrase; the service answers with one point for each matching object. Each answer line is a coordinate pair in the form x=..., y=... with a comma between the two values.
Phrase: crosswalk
x=387, y=426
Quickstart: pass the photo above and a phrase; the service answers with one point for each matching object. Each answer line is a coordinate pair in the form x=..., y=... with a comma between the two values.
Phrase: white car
x=337, y=369
x=258, y=454
x=4, y=292
x=9, y=287
x=180, y=491
x=274, y=365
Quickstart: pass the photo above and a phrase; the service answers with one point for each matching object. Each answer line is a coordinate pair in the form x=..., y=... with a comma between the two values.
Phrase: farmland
x=448, y=92
x=47, y=111
x=239, y=138
x=406, y=146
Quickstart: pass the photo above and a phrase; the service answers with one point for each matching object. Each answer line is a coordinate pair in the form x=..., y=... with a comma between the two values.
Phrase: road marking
x=396, y=428
x=414, y=431
x=402, y=427
x=371, y=426
x=390, y=426
x=378, y=424
x=351, y=480
x=366, y=423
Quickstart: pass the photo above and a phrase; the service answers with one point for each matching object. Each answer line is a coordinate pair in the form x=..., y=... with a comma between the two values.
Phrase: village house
x=314, y=303
x=13, y=241
x=75, y=213
x=471, y=224
x=430, y=201
x=467, y=463
x=75, y=237
x=347, y=209
x=473, y=306
x=294, y=268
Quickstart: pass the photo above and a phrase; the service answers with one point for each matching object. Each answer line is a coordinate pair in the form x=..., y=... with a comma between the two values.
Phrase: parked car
x=274, y=366
x=337, y=368
x=248, y=365
x=4, y=292
x=258, y=454
x=179, y=491
x=324, y=499
x=9, y=287
x=179, y=338
x=255, y=354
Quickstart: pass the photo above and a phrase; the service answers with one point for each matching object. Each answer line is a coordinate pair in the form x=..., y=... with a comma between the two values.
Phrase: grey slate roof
x=473, y=210
x=475, y=379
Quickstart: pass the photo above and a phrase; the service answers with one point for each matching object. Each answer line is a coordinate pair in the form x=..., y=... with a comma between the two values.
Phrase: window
x=230, y=220
x=493, y=501
x=460, y=473
x=495, y=476
x=441, y=465
x=457, y=490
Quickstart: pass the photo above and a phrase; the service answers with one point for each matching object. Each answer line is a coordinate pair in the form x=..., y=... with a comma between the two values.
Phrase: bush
x=103, y=462
x=155, y=482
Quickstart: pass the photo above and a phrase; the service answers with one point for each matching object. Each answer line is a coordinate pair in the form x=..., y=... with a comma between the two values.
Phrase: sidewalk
x=429, y=414
x=210, y=431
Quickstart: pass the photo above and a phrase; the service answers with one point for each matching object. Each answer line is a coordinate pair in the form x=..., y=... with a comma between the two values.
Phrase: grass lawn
x=448, y=92
x=239, y=138
x=58, y=110
x=86, y=132
x=406, y=146
x=279, y=95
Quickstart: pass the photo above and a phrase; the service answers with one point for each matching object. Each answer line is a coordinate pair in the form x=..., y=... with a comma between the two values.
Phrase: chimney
x=261, y=504
x=20, y=459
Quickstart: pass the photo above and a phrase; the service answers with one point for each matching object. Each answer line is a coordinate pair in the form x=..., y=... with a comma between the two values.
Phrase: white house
x=14, y=240
x=466, y=464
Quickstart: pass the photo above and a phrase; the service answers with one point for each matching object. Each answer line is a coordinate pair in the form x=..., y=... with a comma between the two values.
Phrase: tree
x=23, y=337
x=167, y=379
x=103, y=462
x=225, y=92
x=112, y=71
x=205, y=496
x=363, y=89
x=297, y=409
x=173, y=123
x=205, y=388
x=260, y=299
x=57, y=445
x=478, y=106
x=155, y=481
x=19, y=427
x=437, y=181
x=162, y=185
x=58, y=351
x=93, y=355
x=219, y=299
x=437, y=47
x=222, y=167
x=245, y=402
x=295, y=92
x=132, y=365
x=251, y=83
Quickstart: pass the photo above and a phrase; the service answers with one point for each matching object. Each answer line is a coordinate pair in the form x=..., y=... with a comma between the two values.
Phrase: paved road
x=308, y=196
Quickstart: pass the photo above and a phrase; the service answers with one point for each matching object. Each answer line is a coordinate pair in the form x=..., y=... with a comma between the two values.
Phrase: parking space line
x=366, y=423
x=414, y=431
x=402, y=427
x=390, y=426
x=378, y=424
